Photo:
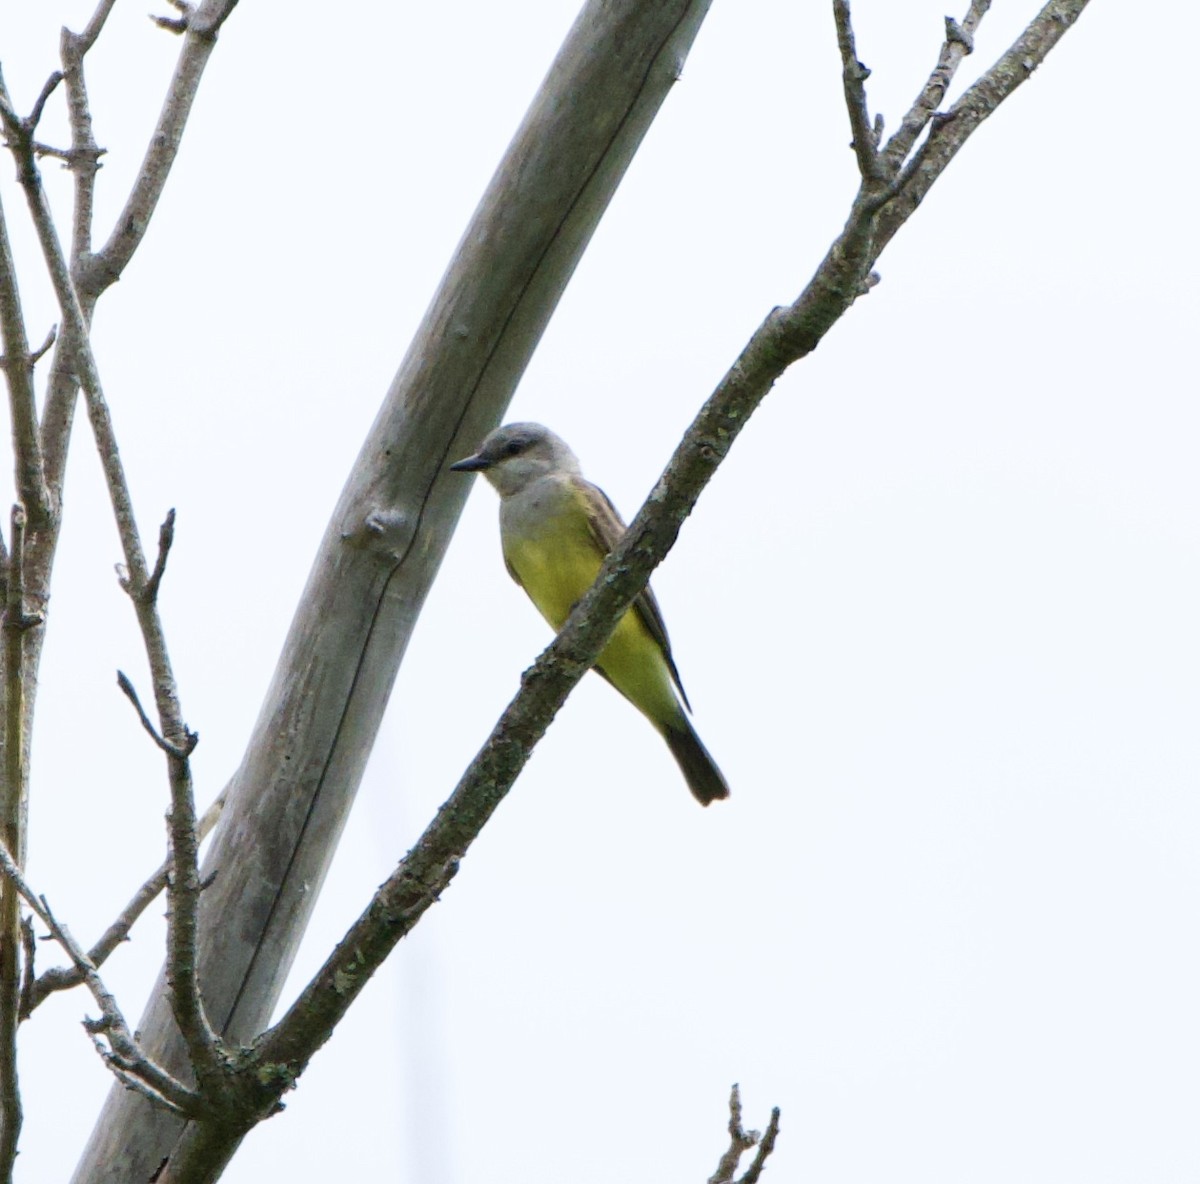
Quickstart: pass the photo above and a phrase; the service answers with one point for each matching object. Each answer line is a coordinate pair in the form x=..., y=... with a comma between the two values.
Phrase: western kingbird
x=555, y=531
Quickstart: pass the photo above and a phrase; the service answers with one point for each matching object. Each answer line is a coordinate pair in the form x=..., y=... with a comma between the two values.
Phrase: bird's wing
x=607, y=528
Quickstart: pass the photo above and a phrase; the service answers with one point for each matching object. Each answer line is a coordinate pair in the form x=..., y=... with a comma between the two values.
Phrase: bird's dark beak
x=470, y=464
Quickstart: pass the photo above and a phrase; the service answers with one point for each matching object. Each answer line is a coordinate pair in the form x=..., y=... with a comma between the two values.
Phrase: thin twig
x=739, y=1141
x=765, y=1146
x=39, y=105
x=105, y=266
x=131, y=1081
x=62, y=978
x=43, y=349
x=28, y=963
x=82, y=42
x=173, y=24
x=947, y=134
x=166, y=536
x=960, y=41
x=18, y=364
x=854, y=74
x=183, y=887
x=190, y=740
x=94, y=273
x=113, y=1025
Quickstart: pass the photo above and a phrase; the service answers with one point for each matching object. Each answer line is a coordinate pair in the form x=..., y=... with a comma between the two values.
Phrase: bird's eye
x=513, y=447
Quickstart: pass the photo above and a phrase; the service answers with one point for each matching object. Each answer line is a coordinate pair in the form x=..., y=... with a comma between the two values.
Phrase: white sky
x=937, y=613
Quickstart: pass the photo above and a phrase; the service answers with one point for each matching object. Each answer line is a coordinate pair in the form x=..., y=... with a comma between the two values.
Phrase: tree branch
x=960, y=41
x=180, y=752
x=389, y=530
x=30, y=475
x=864, y=138
x=166, y=538
x=786, y=335
x=98, y=271
x=93, y=274
x=14, y=804
x=183, y=887
x=951, y=131
x=741, y=1141
x=62, y=978
x=84, y=155
x=123, y=1051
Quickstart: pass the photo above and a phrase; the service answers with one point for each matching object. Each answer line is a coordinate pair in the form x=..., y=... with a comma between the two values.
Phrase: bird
x=556, y=528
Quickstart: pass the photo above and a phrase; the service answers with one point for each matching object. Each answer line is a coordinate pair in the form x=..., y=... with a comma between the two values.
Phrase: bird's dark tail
x=699, y=769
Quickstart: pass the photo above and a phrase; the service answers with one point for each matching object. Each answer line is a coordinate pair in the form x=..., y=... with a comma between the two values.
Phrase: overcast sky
x=937, y=615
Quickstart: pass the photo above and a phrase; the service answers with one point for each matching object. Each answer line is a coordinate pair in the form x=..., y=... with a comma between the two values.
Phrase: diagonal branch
x=951, y=131
x=391, y=525
x=765, y=1146
x=785, y=336
x=180, y=752
x=98, y=271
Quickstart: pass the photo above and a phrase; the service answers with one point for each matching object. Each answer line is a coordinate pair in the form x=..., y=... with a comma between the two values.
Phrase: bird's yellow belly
x=556, y=569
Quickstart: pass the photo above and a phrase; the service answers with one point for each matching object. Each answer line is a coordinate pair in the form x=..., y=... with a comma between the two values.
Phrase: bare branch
x=84, y=155
x=183, y=887
x=28, y=962
x=183, y=897
x=82, y=42
x=166, y=537
x=177, y=24
x=48, y=88
x=14, y=793
x=123, y=1045
x=102, y=269
x=18, y=365
x=741, y=1141
x=94, y=273
x=786, y=335
x=960, y=41
x=172, y=750
x=949, y=132
x=580, y=149
x=62, y=978
x=864, y=138
x=43, y=349
x=131, y=1081
x=765, y=1147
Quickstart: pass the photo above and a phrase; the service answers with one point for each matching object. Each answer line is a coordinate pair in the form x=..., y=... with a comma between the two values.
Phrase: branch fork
x=742, y=1141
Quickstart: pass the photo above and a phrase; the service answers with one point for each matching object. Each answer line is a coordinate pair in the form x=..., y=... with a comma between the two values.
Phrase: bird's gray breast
x=530, y=511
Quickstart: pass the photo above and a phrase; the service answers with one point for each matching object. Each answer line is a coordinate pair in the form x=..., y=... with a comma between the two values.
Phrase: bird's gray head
x=517, y=454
